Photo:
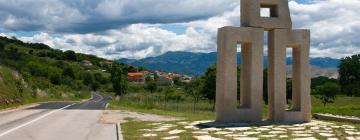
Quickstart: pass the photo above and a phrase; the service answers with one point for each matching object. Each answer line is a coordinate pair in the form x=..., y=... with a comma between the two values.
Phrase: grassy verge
x=189, y=115
x=348, y=106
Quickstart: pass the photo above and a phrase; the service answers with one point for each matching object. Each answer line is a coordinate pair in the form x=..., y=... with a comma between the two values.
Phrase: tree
x=170, y=94
x=177, y=81
x=288, y=90
x=131, y=69
x=148, y=79
x=100, y=78
x=55, y=79
x=209, y=84
x=95, y=85
x=327, y=92
x=151, y=86
x=88, y=79
x=70, y=55
x=2, y=46
x=349, y=71
x=192, y=89
x=14, y=53
x=141, y=68
x=31, y=52
x=118, y=80
x=69, y=72
x=317, y=81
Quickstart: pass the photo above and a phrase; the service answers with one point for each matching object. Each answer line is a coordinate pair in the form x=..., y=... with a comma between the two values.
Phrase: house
x=185, y=78
x=86, y=63
x=107, y=62
x=165, y=80
x=136, y=77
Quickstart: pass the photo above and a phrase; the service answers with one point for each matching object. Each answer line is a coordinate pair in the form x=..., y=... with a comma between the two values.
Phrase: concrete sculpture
x=251, y=38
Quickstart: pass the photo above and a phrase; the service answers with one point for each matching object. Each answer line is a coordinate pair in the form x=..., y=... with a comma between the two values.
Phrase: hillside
x=31, y=72
x=197, y=63
x=9, y=85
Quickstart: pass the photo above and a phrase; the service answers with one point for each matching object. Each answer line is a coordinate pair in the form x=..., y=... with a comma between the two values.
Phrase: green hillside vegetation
x=10, y=86
x=32, y=72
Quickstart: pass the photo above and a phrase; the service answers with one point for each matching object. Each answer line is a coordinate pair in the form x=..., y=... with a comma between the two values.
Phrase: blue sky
x=127, y=29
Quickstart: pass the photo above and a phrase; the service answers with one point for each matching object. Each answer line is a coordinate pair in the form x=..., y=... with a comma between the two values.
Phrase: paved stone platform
x=208, y=130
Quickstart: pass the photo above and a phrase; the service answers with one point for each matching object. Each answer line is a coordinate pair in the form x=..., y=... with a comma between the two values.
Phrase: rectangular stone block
x=251, y=40
x=299, y=41
x=279, y=14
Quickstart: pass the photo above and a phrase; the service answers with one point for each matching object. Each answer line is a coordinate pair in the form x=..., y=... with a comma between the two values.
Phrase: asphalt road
x=58, y=121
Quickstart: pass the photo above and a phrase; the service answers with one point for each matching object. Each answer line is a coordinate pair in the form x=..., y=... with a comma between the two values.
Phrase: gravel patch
x=170, y=138
x=246, y=138
x=206, y=137
x=176, y=131
x=326, y=134
x=149, y=135
x=238, y=128
x=116, y=116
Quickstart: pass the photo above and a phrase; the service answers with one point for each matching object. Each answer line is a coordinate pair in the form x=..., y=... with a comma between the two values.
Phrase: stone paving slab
x=202, y=130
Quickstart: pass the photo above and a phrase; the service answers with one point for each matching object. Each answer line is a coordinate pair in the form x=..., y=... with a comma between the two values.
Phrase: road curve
x=58, y=121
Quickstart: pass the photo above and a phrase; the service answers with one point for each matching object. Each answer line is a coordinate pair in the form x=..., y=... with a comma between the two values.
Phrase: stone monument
x=251, y=37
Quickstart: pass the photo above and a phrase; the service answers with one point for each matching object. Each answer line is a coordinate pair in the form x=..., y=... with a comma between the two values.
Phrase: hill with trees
x=31, y=72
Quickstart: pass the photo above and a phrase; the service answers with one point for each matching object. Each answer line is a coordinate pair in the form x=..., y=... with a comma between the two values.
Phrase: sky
x=144, y=28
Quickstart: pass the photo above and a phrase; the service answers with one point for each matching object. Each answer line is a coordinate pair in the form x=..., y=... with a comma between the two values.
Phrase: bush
x=70, y=55
x=55, y=79
x=327, y=92
x=2, y=46
x=69, y=72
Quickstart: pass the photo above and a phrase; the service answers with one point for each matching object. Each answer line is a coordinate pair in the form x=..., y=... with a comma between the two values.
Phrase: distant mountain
x=197, y=63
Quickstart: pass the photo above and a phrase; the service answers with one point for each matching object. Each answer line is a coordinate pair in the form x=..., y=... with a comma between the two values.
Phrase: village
x=161, y=78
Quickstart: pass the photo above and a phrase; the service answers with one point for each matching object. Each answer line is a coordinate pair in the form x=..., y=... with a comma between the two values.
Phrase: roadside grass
x=188, y=115
x=348, y=106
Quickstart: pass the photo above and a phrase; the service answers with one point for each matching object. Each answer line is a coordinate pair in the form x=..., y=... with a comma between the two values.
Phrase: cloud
x=134, y=41
x=69, y=16
x=334, y=24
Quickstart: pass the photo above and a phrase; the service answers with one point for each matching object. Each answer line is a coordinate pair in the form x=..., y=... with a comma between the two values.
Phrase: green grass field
x=348, y=106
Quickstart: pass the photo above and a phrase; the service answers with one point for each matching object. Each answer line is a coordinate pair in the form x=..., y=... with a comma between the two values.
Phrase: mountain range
x=196, y=63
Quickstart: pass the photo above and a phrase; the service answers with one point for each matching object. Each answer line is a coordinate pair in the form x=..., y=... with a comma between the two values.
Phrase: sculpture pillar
x=250, y=36
x=226, y=78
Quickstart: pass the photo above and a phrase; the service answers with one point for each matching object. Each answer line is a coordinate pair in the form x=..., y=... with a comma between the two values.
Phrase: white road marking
x=32, y=121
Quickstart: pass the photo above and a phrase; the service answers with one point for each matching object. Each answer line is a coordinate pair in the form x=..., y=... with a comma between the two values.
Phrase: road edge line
x=32, y=121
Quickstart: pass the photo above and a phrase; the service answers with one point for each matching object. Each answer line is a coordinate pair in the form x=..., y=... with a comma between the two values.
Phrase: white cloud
x=334, y=26
x=134, y=41
x=89, y=16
